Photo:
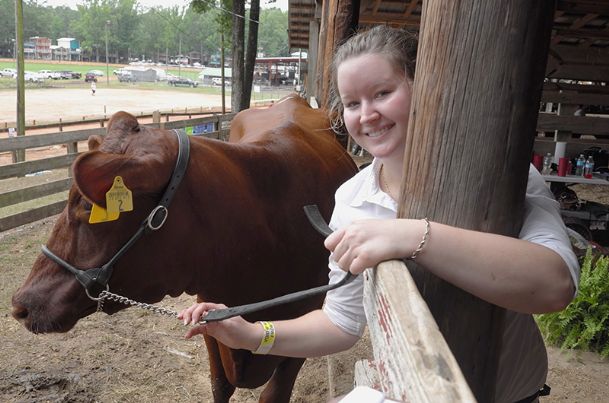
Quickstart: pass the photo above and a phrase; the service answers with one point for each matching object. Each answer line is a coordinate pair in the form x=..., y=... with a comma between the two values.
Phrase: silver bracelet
x=419, y=248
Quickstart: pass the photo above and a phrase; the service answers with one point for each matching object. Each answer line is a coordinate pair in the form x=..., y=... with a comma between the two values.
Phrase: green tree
x=91, y=26
x=273, y=33
x=250, y=53
x=7, y=27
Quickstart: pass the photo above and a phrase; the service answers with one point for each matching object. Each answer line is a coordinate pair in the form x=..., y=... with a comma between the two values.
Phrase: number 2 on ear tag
x=119, y=198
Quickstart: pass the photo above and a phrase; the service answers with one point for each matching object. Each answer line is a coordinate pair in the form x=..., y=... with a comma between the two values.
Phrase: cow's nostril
x=20, y=313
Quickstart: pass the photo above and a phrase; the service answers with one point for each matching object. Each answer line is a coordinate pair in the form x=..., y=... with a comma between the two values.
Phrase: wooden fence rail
x=102, y=118
x=219, y=123
x=412, y=361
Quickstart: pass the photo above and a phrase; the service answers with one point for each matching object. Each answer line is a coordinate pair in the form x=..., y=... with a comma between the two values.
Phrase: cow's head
x=51, y=299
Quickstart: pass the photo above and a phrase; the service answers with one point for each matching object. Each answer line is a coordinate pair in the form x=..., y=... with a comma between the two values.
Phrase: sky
x=282, y=4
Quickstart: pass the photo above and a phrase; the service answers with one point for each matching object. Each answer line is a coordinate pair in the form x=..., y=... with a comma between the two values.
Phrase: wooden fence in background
x=219, y=129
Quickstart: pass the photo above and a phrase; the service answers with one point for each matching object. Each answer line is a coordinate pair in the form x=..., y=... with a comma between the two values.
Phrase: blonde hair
x=398, y=45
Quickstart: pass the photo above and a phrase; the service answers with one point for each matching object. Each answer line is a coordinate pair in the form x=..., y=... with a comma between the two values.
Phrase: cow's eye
x=86, y=205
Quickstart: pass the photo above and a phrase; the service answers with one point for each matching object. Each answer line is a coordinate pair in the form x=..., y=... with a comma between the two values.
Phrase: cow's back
x=250, y=124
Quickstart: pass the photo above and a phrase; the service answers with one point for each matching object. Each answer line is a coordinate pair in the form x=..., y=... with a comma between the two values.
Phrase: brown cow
x=235, y=233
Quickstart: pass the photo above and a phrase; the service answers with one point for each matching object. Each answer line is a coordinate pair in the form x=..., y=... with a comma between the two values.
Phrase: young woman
x=373, y=74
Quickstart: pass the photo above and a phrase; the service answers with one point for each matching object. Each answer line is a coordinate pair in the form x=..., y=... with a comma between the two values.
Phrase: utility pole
x=107, y=68
x=180, y=57
x=19, y=155
x=299, y=61
x=222, y=72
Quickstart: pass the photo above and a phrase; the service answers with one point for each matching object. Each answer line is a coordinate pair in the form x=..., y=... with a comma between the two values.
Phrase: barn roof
x=580, y=23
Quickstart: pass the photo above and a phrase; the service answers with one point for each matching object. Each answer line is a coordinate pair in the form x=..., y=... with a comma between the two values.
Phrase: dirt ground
x=65, y=103
x=136, y=356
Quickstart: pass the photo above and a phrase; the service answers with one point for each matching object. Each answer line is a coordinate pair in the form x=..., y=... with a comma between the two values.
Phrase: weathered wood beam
x=42, y=140
x=584, y=33
x=476, y=60
x=412, y=360
x=34, y=192
x=410, y=8
x=16, y=220
x=583, y=6
x=376, y=6
x=339, y=22
x=580, y=22
x=26, y=167
x=575, y=98
x=387, y=18
x=580, y=88
x=579, y=72
x=577, y=124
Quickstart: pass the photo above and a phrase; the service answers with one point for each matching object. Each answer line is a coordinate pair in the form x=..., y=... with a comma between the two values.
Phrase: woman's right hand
x=234, y=332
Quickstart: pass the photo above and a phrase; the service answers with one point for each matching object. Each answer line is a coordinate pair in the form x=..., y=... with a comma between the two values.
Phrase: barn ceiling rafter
x=580, y=23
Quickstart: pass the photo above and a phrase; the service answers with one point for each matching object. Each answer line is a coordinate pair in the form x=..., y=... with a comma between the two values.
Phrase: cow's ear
x=94, y=142
x=94, y=174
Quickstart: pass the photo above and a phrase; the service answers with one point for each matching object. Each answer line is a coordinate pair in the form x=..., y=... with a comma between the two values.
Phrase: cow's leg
x=279, y=388
x=220, y=386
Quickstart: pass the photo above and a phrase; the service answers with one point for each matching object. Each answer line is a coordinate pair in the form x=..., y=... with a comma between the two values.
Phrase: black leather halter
x=96, y=280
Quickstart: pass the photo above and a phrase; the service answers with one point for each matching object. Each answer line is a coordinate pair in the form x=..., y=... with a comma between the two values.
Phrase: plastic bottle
x=588, y=168
x=579, y=165
x=547, y=164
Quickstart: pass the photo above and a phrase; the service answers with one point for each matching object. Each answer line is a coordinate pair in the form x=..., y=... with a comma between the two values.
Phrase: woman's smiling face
x=376, y=99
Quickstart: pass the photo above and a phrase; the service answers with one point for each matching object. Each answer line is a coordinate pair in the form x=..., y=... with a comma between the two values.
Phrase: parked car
x=125, y=76
x=32, y=77
x=175, y=81
x=90, y=77
x=55, y=75
x=67, y=75
x=96, y=73
x=8, y=73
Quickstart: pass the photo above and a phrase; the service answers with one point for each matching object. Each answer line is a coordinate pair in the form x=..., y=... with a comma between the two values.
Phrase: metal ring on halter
x=98, y=298
x=153, y=214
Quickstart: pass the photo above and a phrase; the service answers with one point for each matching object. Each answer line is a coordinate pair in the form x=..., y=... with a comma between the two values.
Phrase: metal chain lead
x=107, y=295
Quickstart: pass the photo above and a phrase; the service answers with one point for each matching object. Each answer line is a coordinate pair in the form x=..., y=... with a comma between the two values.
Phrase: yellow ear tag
x=118, y=198
x=100, y=214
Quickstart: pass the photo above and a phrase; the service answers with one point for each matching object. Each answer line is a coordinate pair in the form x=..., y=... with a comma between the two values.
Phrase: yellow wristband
x=268, y=339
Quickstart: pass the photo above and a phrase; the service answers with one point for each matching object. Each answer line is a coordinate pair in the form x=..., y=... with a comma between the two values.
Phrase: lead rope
x=316, y=220
x=107, y=295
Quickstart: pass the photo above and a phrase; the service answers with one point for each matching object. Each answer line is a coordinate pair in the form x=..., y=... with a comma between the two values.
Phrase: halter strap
x=95, y=280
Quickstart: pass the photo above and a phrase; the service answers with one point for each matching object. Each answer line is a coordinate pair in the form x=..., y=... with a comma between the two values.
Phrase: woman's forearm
x=311, y=335
x=512, y=273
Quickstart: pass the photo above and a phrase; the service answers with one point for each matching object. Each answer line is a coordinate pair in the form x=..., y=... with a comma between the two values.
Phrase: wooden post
x=19, y=155
x=72, y=148
x=480, y=70
x=339, y=22
x=156, y=117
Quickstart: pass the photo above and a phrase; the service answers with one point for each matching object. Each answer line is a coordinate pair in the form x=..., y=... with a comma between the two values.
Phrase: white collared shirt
x=523, y=362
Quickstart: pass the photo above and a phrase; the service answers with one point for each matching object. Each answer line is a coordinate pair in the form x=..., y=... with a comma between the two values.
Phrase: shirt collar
x=370, y=191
